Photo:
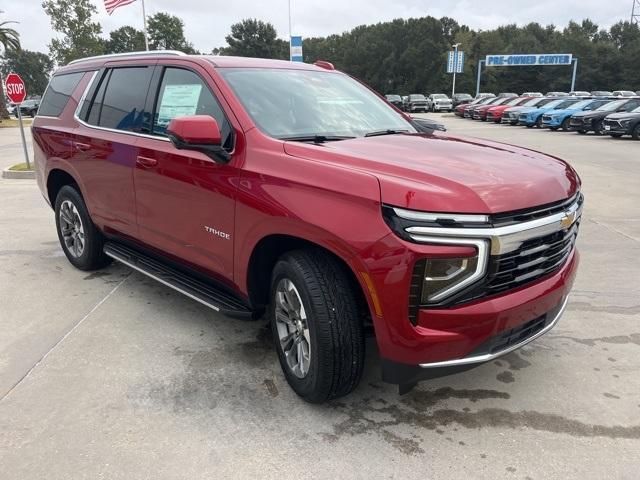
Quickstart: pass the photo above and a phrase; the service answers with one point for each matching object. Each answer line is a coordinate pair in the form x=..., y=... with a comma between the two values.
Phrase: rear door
x=185, y=200
x=111, y=120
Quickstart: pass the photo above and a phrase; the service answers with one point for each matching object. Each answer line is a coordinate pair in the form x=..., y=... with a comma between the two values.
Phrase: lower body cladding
x=520, y=295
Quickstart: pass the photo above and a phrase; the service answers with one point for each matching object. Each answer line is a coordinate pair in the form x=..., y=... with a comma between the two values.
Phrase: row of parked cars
x=582, y=112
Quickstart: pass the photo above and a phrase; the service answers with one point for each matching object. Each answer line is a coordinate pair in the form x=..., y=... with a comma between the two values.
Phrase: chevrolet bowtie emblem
x=568, y=220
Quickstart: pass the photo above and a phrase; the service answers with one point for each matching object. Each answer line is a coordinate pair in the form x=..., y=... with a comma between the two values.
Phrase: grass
x=13, y=122
x=21, y=167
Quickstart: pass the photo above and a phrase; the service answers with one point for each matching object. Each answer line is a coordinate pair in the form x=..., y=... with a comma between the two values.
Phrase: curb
x=14, y=175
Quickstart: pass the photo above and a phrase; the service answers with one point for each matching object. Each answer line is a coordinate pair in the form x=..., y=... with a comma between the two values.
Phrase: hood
x=445, y=173
x=624, y=116
x=562, y=111
x=591, y=114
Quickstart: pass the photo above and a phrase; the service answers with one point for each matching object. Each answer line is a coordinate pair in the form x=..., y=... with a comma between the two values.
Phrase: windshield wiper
x=317, y=138
x=384, y=132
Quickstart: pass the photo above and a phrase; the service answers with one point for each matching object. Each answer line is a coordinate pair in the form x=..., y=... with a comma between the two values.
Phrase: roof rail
x=129, y=54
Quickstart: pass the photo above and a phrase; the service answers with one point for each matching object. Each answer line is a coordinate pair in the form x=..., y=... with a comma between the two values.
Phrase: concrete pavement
x=112, y=375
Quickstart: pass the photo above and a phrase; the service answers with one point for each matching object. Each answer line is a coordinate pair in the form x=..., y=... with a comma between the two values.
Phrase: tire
x=328, y=324
x=615, y=135
x=635, y=134
x=565, y=124
x=81, y=241
x=539, y=122
x=598, y=128
x=553, y=129
x=582, y=132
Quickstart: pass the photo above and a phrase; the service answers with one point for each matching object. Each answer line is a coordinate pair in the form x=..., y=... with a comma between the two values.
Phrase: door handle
x=146, y=162
x=81, y=147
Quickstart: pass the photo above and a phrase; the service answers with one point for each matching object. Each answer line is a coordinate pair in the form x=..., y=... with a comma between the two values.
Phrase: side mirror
x=200, y=133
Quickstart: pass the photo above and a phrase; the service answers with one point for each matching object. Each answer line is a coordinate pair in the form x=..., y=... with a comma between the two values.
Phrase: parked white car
x=439, y=102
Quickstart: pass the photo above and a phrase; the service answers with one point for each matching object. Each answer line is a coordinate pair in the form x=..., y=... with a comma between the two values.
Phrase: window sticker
x=178, y=101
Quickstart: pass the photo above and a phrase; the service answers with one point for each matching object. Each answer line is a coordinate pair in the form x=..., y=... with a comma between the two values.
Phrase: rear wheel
x=316, y=325
x=81, y=241
x=636, y=132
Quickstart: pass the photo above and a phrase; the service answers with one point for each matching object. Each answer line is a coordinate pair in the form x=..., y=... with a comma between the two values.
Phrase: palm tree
x=9, y=40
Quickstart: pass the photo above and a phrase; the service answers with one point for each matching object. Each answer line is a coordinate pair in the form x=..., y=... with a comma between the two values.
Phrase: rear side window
x=58, y=93
x=182, y=92
x=119, y=102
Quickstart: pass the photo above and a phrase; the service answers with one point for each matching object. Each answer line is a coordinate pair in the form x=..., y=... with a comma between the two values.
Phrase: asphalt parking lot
x=112, y=375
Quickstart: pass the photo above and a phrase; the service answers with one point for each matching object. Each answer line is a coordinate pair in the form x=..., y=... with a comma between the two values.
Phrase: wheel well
x=56, y=180
x=266, y=254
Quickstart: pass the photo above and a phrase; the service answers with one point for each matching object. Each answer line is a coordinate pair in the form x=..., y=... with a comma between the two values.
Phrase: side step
x=205, y=293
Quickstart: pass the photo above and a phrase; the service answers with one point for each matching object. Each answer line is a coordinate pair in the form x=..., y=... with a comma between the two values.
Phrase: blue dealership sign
x=455, y=62
x=296, y=49
x=529, y=60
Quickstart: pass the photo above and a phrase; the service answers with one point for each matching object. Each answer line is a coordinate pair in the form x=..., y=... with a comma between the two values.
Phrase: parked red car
x=494, y=114
x=480, y=113
x=261, y=186
x=461, y=109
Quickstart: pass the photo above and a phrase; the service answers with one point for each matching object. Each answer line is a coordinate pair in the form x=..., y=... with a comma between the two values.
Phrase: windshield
x=582, y=104
x=636, y=110
x=515, y=101
x=440, y=95
x=417, y=97
x=394, y=97
x=462, y=96
x=288, y=103
x=611, y=106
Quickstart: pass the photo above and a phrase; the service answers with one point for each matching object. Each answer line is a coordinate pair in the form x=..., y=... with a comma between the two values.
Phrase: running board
x=205, y=293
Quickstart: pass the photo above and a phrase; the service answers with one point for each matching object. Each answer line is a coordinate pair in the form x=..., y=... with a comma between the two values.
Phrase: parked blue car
x=533, y=116
x=559, y=118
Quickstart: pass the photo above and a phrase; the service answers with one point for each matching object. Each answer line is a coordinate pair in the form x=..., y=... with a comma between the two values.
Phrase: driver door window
x=183, y=93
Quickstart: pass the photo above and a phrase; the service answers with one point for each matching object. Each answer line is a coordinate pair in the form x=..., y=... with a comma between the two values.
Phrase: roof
x=249, y=62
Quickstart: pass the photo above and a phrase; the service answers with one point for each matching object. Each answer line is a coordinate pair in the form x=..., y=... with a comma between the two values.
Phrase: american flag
x=111, y=5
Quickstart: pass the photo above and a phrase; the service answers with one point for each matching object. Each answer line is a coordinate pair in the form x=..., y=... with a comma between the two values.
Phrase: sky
x=208, y=21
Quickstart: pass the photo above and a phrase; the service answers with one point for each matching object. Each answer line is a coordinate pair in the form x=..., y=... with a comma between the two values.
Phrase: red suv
x=261, y=186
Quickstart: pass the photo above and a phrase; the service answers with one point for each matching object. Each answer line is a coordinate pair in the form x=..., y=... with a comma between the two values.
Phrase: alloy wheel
x=72, y=229
x=292, y=327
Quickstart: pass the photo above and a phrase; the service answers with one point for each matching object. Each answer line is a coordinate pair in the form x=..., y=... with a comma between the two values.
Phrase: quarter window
x=183, y=93
x=58, y=93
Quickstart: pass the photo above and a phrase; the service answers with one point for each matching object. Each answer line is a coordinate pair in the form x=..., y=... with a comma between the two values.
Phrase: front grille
x=534, y=259
x=546, y=118
x=525, y=215
x=612, y=123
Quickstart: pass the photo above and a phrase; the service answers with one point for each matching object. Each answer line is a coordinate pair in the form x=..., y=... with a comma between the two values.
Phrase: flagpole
x=144, y=22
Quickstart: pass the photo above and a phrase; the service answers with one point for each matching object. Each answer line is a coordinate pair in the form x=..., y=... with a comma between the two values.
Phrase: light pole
x=289, y=29
x=455, y=67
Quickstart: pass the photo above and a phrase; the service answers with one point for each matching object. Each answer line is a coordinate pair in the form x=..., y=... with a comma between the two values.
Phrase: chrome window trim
x=491, y=356
x=481, y=267
x=503, y=239
x=76, y=116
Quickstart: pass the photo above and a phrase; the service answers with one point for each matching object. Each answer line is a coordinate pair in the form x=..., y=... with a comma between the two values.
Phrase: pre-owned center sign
x=529, y=60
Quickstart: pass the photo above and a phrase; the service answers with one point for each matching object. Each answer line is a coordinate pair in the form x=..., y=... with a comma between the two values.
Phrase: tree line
x=401, y=56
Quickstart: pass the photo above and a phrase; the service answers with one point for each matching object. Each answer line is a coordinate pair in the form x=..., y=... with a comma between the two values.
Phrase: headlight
x=443, y=275
x=625, y=123
x=440, y=278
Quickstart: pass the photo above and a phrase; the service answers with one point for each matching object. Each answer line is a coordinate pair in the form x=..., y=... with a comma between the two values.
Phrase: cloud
x=208, y=21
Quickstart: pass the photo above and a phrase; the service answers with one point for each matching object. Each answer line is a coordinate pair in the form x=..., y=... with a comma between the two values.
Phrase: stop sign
x=14, y=86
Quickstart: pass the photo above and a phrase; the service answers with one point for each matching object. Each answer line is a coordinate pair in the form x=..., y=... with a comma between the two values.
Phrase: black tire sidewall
x=92, y=256
x=308, y=386
x=635, y=134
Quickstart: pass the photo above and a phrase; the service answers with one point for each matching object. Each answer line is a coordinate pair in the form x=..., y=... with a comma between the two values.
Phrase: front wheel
x=598, y=128
x=316, y=325
x=565, y=124
x=615, y=135
x=636, y=132
x=81, y=241
x=539, y=122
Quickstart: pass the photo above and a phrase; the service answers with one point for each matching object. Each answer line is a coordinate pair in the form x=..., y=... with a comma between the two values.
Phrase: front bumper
x=439, y=107
x=483, y=331
x=551, y=122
